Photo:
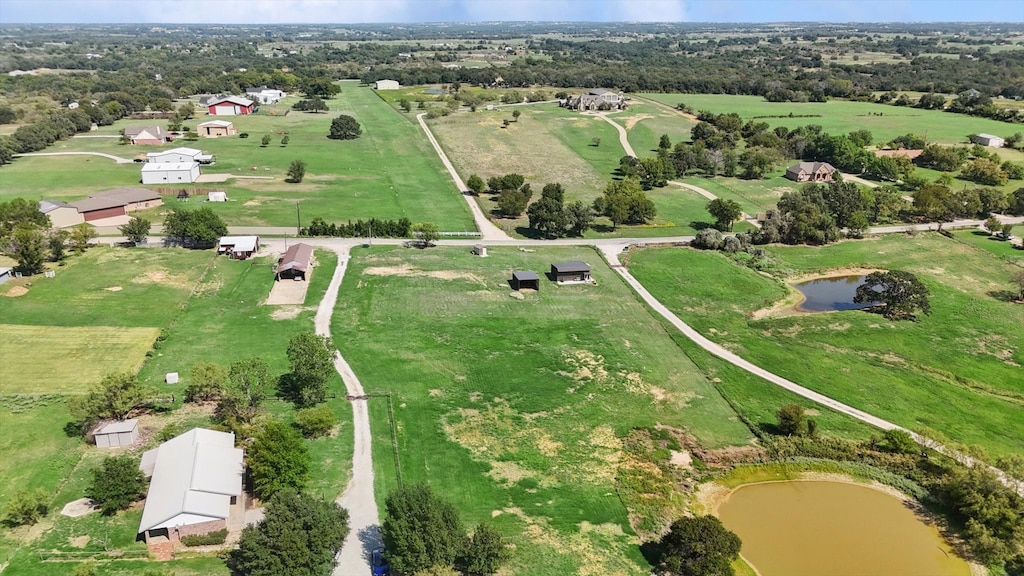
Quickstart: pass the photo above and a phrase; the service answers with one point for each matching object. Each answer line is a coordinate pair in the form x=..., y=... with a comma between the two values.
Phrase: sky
x=266, y=12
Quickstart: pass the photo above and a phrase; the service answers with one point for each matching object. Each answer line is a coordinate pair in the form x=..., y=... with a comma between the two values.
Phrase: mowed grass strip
x=516, y=408
x=67, y=360
x=957, y=372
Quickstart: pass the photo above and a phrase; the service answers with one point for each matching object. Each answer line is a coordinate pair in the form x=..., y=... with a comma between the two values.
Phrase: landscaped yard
x=517, y=409
x=963, y=359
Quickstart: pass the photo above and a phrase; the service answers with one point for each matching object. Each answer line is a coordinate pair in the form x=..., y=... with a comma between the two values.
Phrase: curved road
x=117, y=159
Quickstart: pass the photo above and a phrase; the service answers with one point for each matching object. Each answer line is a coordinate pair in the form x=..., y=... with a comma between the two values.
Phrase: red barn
x=230, y=106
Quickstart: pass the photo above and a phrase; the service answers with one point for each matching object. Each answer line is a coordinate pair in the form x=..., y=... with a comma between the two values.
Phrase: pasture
x=389, y=172
x=926, y=375
x=840, y=117
x=518, y=409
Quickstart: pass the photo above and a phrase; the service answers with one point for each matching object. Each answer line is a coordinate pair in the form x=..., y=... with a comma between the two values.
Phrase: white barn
x=116, y=434
x=989, y=140
x=265, y=95
x=176, y=155
x=196, y=484
x=386, y=85
x=170, y=173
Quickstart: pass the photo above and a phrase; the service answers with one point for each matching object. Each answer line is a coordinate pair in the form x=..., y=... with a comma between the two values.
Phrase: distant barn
x=295, y=262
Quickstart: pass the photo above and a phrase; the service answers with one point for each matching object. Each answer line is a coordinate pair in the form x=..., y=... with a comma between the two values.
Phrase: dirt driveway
x=288, y=291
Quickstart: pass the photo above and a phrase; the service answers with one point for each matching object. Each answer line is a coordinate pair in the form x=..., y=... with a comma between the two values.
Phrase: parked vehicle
x=379, y=566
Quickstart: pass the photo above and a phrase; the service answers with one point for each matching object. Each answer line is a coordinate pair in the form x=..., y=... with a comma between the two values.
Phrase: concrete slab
x=77, y=508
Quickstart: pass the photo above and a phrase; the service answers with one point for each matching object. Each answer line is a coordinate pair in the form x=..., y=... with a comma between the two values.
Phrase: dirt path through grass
x=117, y=159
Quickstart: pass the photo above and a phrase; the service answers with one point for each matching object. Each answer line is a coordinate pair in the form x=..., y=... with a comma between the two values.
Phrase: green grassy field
x=391, y=171
x=754, y=196
x=551, y=144
x=223, y=321
x=839, y=117
x=925, y=375
x=517, y=408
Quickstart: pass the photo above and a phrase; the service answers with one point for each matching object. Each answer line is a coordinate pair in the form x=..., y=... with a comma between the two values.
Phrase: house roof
x=114, y=198
x=297, y=257
x=989, y=137
x=810, y=167
x=118, y=427
x=155, y=131
x=220, y=123
x=47, y=206
x=240, y=243
x=205, y=100
x=521, y=275
x=194, y=477
x=167, y=166
x=571, y=266
x=232, y=99
x=183, y=150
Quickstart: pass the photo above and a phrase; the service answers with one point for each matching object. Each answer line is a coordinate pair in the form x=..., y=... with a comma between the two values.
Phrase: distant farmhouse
x=810, y=172
x=229, y=106
x=265, y=95
x=195, y=486
x=599, y=99
x=147, y=135
x=216, y=129
x=101, y=205
x=988, y=140
x=386, y=85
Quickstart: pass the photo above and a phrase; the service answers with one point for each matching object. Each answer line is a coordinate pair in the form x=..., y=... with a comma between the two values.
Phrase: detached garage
x=170, y=173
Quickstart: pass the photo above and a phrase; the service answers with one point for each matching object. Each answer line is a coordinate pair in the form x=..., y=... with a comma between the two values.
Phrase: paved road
x=117, y=159
x=364, y=521
x=488, y=230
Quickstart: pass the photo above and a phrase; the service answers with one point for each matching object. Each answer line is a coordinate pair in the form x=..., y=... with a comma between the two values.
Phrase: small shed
x=989, y=140
x=480, y=250
x=217, y=196
x=525, y=279
x=117, y=434
x=571, y=271
x=171, y=378
x=6, y=273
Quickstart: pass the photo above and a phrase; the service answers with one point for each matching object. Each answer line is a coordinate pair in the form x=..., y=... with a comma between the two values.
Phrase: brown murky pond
x=817, y=528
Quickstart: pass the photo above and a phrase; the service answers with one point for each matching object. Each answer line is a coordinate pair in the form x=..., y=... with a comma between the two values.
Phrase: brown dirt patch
x=409, y=271
x=161, y=276
x=634, y=120
x=79, y=542
x=589, y=547
x=680, y=459
x=434, y=393
x=287, y=312
x=16, y=291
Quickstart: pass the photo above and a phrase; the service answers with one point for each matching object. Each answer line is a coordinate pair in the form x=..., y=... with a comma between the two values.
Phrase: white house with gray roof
x=195, y=485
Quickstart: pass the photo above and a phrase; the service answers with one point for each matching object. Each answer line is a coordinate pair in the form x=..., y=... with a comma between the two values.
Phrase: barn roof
x=194, y=477
x=527, y=275
x=232, y=99
x=164, y=166
x=221, y=123
x=240, y=243
x=297, y=257
x=571, y=266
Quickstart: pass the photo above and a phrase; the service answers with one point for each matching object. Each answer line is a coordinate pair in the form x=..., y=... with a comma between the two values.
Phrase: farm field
x=390, y=171
x=552, y=144
x=925, y=375
x=525, y=402
x=840, y=117
x=223, y=321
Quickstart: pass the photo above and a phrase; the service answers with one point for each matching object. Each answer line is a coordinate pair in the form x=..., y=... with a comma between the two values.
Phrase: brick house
x=810, y=172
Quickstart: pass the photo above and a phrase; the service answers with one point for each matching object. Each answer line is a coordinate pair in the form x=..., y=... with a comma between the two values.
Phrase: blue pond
x=828, y=294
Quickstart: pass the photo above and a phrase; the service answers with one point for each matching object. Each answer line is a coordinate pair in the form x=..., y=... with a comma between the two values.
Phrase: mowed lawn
x=840, y=117
x=551, y=144
x=389, y=172
x=954, y=374
x=67, y=360
x=516, y=408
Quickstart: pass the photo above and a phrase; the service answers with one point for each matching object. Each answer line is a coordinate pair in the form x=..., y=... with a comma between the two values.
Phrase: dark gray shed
x=525, y=279
x=571, y=271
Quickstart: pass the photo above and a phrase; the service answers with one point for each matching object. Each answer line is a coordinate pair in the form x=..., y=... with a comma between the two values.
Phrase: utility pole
x=298, y=220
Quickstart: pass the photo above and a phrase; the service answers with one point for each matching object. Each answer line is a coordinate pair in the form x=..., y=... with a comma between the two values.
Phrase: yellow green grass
x=67, y=360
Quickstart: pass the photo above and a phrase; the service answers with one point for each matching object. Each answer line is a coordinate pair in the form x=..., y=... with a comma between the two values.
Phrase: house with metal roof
x=195, y=485
x=571, y=271
x=296, y=262
x=238, y=247
x=180, y=154
x=170, y=172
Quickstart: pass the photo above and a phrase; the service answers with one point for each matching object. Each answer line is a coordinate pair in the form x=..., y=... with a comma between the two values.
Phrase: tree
x=278, y=460
x=116, y=483
x=984, y=171
x=315, y=421
x=199, y=228
x=936, y=202
x=81, y=234
x=299, y=534
x=249, y=383
x=207, y=381
x=516, y=114
x=475, y=184
x=511, y=203
x=135, y=230
x=26, y=507
x=314, y=105
x=161, y=104
x=405, y=105
x=1018, y=279
x=265, y=141
x=296, y=171
x=115, y=397
x=186, y=110
x=427, y=233
x=899, y=442
x=319, y=87
x=664, y=143
x=993, y=225
x=756, y=162
x=725, y=213
x=699, y=546
x=792, y=421
x=27, y=245
x=899, y=294
x=312, y=362
x=486, y=551
x=595, y=142
x=624, y=201
x=421, y=530
x=57, y=240
x=345, y=127
x=578, y=217
x=21, y=212
x=285, y=141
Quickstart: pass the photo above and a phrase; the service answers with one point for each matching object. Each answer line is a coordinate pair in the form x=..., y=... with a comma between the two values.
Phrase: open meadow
x=217, y=315
x=840, y=117
x=389, y=172
x=526, y=410
x=963, y=359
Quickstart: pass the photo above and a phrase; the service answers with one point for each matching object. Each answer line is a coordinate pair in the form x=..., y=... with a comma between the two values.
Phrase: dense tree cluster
x=197, y=228
x=401, y=228
x=116, y=483
x=554, y=218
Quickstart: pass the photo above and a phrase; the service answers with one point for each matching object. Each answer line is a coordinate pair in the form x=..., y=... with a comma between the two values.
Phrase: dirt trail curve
x=364, y=522
x=488, y=231
x=612, y=255
x=117, y=159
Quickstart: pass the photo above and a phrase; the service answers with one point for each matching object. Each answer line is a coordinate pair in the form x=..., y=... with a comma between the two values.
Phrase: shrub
x=243, y=135
x=25, y=507
x=211, y=539
x=116, y=483
x=316, y=421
